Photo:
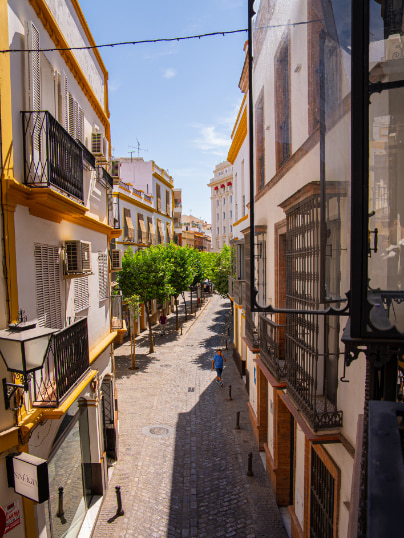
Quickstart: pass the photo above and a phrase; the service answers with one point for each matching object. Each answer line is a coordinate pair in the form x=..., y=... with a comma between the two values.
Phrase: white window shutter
x=47, y=283
x=80, y=127
x=71, y=122
x=81, y=294
x=33, y=68
x=65, y=102
x=103, y=275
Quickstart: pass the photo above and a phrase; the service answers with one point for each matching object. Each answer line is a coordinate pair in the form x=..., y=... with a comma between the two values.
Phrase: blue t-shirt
x=218, y=361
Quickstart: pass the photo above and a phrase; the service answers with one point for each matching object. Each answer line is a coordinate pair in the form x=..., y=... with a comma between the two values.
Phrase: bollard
x=229, y=398
x=119, y=511
x=228, y=331
x=238, y=421
x=249, y=470
x=60, y=513
x=226, y=344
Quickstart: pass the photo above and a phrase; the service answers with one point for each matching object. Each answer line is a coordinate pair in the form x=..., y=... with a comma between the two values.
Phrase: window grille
x=103, y=275
x=322, y=499
x=47, y=283
x=81, y=294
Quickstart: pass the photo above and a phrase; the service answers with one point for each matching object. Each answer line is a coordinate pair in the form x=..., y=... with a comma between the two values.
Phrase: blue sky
x=179, y=99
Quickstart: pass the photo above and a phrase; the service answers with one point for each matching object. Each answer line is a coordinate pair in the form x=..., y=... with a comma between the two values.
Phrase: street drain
x=158, y=430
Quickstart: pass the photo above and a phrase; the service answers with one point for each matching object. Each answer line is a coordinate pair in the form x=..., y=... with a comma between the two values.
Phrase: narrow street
x=182, y=466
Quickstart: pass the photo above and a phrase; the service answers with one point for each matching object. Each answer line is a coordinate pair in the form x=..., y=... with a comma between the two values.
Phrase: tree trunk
x=185, y=303
x=192, y=311
x=151, y=347
x=133, y=349
x=177, y=325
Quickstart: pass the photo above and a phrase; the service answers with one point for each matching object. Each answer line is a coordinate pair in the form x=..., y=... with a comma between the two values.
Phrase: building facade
x=222, y=207
x=55, y=139
x=317, y=293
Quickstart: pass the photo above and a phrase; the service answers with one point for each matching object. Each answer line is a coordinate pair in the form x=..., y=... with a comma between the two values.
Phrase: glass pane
x=386, y=152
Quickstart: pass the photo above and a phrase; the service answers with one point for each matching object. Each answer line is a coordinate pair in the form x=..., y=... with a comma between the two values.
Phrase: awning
x=130, y=228
x=216, y=188
x=161, y=233
x=229, y=183
x=152, y=234
x=142, y=238
x=223, y=186
x=169, y=232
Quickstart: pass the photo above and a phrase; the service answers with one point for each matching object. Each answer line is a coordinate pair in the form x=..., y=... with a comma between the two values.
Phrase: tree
x=145, y=273
x=182, y=273
x=134, y=306
x=222, y=271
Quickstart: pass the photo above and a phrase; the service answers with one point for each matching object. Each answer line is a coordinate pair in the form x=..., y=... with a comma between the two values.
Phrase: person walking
x=162, y=321
x=217, y=364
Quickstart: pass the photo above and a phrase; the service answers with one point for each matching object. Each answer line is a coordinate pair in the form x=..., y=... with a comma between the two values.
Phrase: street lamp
x=23, y=348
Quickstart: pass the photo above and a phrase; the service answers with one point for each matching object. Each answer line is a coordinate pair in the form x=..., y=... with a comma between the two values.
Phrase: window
x=47, y=284
x=168, y=212
x=103, y=276
x=217, y=216
x=128, y=229
x=231, y=214
x=217, y=230
x=158, y=196
x=217, y=203
x=81, y=294
x=141, y=229
x=224, y=229
x=75, y=119
x=224, y=201
x=150, y=231
x=260, y=142
x=224, y=215
x=231, y=198
x=282, y=105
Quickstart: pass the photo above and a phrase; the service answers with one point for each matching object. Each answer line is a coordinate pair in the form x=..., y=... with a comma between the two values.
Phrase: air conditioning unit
x=99, y=145
x=116, y=259
x=77, y=257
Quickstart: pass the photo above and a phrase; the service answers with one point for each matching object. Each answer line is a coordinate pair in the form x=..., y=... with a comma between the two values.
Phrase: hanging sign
x=28, y=475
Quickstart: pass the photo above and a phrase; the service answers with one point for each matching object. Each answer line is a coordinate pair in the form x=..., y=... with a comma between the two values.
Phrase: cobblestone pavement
x=182, y=466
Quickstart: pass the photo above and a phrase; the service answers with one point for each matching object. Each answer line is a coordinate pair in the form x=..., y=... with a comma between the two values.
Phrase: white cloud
x=169, y=73
x=209, y=140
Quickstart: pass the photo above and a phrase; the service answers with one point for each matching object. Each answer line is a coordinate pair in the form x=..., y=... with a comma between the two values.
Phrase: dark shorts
x=219, y=372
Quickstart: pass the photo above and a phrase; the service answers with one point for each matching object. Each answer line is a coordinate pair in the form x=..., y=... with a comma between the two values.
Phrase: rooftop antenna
x=138, y=149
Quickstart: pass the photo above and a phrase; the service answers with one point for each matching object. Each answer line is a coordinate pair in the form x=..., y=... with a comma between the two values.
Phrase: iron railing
x=239, y=291
x=116, y=312
x=51, y=156
x=251, y=330
x=66, y=362
x=272, y=346
x=322, y=499
x=147, y=198
x=105, y=178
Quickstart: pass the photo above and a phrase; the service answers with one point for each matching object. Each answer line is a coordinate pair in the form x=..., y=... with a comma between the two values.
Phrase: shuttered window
x=47, y=283
x=81, y=294
x=103, y=275
x=34, y=80
x=75, y=119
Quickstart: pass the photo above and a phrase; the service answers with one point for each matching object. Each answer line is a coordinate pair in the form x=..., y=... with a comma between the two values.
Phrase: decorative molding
x=238, y=139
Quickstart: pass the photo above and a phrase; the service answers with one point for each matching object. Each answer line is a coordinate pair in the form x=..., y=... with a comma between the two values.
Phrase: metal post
x=249, y=470
x=60, y=513
x=226, y=344
x=119, y=511
x=238, y=420
x=229, y=398
x=228, y=331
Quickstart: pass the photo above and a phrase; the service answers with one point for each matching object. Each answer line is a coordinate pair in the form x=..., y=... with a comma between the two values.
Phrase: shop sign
x=13, y=516
x=28, y=475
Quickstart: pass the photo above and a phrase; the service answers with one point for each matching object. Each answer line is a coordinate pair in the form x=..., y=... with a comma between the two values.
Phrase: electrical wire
x=158, y=40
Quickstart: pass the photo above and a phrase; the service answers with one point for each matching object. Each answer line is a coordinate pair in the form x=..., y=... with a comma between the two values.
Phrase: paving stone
x=192, y=482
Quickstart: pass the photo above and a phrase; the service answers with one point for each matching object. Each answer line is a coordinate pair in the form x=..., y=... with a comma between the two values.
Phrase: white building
x=222, y=207
x=56, y=235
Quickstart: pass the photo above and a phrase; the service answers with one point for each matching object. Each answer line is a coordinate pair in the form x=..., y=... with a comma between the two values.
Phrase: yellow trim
x=135, y=202
x=163, y=180
x=238, y=115
x=238, y=139
x=46, y=17
x=8, y=439
x=240, y=220
x=102, y=346
x=51, y=205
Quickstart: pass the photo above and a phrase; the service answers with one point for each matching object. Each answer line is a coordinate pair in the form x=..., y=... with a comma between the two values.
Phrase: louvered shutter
x=34, y=81
x=81, y=294
x=80, y=124
x=71, y=122
x=65, y=99
x=103, y=275
x=47, y=283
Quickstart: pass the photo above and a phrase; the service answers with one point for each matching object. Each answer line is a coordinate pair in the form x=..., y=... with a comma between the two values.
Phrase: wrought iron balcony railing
x=251, y=330
x=239, y=291
x=272, y=346
x=311, y=377
x=51, y=156
x=65, y=364
x=104, y=177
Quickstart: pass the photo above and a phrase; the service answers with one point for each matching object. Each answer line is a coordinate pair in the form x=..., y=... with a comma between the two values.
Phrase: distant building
x=222, y=205
x=177, y=212
x=196, y=233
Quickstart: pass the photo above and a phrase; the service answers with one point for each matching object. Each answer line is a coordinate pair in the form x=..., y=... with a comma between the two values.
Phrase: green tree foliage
x=146, y=273
x=181, y=275
x=221, y=270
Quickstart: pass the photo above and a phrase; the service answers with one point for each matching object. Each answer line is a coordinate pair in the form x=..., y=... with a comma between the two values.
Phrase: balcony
x=65, y=364
x=272, y=346
x=52, y=158
x=312, y=377
x=177, y=210
x=239, y=291
x=104, y=178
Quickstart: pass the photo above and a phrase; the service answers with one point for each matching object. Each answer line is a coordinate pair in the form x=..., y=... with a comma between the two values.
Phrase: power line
x=158, y=40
